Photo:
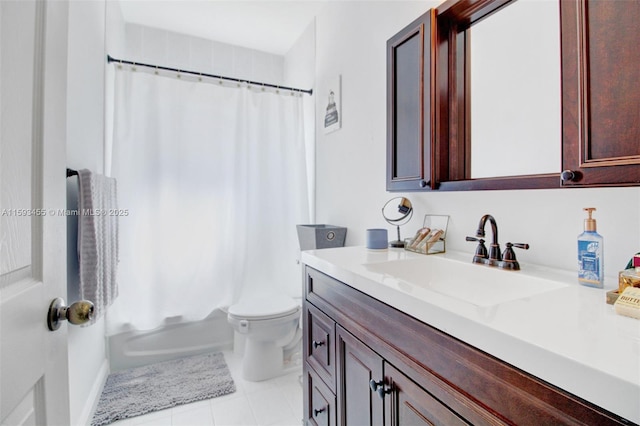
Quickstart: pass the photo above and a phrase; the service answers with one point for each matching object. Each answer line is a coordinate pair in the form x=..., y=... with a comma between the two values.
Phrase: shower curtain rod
x=201, y=74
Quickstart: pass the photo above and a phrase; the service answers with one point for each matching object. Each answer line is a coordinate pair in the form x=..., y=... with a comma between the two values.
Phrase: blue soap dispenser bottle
x=590, y=254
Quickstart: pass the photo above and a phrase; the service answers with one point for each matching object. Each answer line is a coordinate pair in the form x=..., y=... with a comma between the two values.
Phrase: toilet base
x=261, y=361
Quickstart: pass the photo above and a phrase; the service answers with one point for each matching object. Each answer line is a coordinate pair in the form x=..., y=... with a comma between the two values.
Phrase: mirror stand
x=397, y=216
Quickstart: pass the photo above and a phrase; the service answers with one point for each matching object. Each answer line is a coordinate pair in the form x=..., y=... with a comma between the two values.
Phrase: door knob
x=78, y=313
x=569, y=176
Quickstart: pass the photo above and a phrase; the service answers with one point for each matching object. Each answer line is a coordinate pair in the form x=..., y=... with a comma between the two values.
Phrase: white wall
x=159, y=47
x=299, y=72
x=88, y=365
x=351, y=41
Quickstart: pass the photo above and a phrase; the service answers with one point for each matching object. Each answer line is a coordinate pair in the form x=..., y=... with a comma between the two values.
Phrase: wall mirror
x=514, y=91
x=501, y=127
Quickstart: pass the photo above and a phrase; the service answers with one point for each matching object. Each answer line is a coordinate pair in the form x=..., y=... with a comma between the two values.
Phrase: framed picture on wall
x=333, y=102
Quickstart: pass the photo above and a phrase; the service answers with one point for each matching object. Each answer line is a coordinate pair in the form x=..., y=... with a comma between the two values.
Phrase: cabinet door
x=410, y=405
x=320, y=402
x=319, y=350
x=357, y=364
x=600, y=95
x=410, y=112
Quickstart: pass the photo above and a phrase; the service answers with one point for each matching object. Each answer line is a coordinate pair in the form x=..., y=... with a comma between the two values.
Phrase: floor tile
x=286, y=421
x=274, y=402
x=148, y=420
x=194, y=405
x=198, y=416
x=233, y=412
x=294, y=397
x=159, y=416
x=269, y=406
x=220, y=399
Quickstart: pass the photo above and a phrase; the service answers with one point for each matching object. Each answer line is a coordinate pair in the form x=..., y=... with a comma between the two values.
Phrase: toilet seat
x=263, y=308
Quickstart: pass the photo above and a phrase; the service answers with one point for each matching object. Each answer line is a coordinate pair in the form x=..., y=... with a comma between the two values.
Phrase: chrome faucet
x=494, y=257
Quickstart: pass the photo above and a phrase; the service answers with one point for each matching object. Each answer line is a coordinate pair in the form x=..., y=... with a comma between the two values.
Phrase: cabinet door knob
x=316, y=344
x=318, y=411
x=379, y=387
x=423, y=184
x=383, y=390
x=568, y=176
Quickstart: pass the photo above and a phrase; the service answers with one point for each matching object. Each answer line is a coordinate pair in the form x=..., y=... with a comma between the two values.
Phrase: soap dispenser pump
x=590, y=254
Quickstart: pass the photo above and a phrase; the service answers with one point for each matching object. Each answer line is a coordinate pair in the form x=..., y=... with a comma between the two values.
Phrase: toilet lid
x=266, y=307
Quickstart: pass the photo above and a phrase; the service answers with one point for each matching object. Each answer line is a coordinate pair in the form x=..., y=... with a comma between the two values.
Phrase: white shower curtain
x=214, y=181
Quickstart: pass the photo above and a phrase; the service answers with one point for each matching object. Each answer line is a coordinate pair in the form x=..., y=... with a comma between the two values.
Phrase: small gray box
x=313, y=237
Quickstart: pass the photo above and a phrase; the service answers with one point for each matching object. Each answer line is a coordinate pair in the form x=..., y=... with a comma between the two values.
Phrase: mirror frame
x=452, y=145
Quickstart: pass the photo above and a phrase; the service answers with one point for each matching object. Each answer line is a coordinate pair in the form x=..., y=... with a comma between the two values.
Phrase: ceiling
x=269, y=26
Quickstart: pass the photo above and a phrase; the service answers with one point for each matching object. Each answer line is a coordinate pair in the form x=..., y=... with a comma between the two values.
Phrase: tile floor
x=275, y=402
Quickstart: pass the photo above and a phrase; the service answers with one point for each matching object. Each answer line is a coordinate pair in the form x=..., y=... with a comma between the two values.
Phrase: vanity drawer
x=319, y=347
x=321, y=290
x=320, y=402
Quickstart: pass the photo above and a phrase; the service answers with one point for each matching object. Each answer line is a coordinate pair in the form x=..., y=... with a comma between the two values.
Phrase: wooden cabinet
x=373, y=392
x=319, y=373
x=319, y=347
x=358, y=365
x=319, y=401
x=429, y=99
x=410, y=112
x=600, y=95
x=410, y=405
x=391, y=369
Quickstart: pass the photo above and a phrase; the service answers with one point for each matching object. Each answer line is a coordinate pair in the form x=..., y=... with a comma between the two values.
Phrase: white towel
x=97, y=240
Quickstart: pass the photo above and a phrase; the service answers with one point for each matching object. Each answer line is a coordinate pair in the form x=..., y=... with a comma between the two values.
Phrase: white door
x=34, y=385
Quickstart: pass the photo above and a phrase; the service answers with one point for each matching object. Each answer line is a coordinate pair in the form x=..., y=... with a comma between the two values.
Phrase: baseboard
x=94, y=395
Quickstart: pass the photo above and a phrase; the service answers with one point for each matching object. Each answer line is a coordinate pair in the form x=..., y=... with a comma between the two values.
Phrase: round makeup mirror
x=397, y=211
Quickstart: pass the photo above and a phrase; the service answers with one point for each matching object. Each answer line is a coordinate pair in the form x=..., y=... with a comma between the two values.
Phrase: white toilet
x=270, y=325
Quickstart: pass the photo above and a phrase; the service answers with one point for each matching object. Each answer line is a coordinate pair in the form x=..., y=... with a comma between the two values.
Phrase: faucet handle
x=481, y=250
x=509, y=254
x=509, y=261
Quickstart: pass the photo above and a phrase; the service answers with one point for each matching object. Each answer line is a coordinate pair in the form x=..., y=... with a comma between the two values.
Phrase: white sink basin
x=477, y=284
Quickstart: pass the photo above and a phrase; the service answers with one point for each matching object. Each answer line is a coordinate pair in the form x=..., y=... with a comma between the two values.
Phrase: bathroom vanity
x=393, y=337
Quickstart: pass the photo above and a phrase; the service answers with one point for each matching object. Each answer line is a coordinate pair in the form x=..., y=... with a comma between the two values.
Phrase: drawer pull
x=316, y=411
x=317, y=344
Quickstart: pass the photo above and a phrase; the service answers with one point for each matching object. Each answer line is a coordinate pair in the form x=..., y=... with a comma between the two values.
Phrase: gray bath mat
x=142, y=390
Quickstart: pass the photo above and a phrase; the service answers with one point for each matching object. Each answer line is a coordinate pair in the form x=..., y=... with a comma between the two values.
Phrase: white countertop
x=568, y=337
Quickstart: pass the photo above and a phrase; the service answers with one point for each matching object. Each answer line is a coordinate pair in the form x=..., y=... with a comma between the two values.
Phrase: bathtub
x=136, y=348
